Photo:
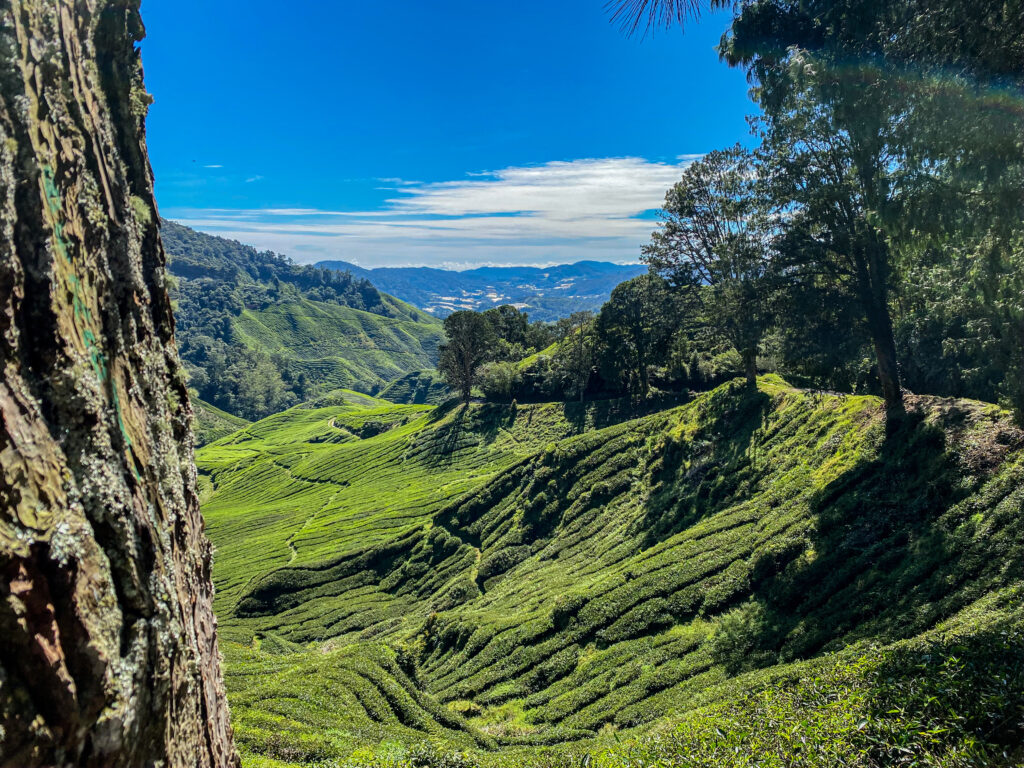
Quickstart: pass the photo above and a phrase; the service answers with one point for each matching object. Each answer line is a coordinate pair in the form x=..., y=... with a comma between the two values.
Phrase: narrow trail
x=312, y=515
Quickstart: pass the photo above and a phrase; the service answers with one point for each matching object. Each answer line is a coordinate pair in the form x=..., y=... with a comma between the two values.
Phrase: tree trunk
x=108, y=652
x=645, y=380
x=750, y=366
x=873, y=285
x=884, y=343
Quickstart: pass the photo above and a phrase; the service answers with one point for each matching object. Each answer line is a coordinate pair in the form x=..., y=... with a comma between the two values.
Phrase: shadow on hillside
x=702, y=474
x=600, y=414
x=465, y=427
x=884, y=560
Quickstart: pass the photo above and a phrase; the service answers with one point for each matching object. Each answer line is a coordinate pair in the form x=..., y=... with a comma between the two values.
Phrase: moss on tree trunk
x=108, y=650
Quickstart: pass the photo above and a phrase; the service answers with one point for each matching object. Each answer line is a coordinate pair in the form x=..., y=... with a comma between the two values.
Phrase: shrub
x=737, y=642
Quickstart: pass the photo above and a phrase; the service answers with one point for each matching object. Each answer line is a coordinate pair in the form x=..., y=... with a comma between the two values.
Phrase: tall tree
x=714, y=243
x=469, y=343
x=575, y=357
x=634, y=329
x=108, y=652
x=511, y=331
x=837, y=174
x=985, y=38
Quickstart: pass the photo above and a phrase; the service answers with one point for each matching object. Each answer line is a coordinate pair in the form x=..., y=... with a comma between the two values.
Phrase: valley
x=528, y=583
x=259, y=333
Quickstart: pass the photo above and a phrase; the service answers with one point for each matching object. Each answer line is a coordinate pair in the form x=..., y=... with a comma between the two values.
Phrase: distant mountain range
x=545, y=293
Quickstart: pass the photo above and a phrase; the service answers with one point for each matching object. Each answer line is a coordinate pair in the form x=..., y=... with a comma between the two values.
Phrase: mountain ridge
x=546, y=293
x=259, y=333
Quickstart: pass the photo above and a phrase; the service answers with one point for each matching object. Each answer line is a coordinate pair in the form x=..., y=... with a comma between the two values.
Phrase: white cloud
x=213, y=166
x=557, y=212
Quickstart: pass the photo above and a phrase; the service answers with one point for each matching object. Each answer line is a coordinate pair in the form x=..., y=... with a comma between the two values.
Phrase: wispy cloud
x=560, y=211
x=213, y=166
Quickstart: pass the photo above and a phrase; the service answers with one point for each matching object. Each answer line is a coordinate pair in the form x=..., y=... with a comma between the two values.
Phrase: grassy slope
x=556, y=572
x=211, y=423
x=344, y=347
x=419, y=388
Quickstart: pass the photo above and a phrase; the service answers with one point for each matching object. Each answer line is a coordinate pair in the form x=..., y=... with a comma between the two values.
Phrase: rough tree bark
x=108, y=650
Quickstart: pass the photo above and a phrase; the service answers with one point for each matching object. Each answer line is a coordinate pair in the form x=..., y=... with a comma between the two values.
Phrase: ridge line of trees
x=871, y=241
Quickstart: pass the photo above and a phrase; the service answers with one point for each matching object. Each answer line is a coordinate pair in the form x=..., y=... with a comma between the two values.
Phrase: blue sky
x=445, y=132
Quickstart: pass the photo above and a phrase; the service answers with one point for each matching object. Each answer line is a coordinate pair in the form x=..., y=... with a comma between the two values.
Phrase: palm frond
x=636, y=15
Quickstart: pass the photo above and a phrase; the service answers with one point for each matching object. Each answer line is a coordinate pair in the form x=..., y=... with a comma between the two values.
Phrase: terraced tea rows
x=553, y=572
x=344, y=347
x=315, y=485
x=322, y=704
x=211, y=423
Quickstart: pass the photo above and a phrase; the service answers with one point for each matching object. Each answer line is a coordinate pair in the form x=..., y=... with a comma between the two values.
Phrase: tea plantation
x=341, y=346
x=769, y=577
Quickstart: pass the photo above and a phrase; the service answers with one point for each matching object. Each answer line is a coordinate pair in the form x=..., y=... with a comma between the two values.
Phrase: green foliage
x=515, y=337
x=893, y=152
x=500, y=381
x=212, y=424
x=633, y=331
x=356, y=698
x=737, y=637
x=575, y=354
x=943, y=701
x=715, y=243
x=417, y=388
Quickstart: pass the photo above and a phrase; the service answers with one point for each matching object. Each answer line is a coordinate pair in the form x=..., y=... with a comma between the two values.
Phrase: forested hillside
x=500, y=577
x=259, y=333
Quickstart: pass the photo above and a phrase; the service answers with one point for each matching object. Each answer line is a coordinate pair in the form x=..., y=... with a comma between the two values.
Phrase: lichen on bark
x=108, y=649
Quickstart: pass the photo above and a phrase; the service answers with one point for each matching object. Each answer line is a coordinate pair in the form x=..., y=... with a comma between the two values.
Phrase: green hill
x=698, y=582
x=339, y=346
x=259, y=333
x=211, y=423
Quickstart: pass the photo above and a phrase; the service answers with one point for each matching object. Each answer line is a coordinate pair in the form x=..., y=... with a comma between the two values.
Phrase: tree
x=500, y=381
x=574, y=359
x=909, y=143
x=469, y=344
x=714, y=244
x=834, y=165
x=634, y=328
x=961, y=324
x=511, y=329
x=984, y=39
x=108, y=643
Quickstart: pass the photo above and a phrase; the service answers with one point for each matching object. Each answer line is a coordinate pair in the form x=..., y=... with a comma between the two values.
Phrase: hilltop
x=502, y=577
x=547, y=293
x=259, y=333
